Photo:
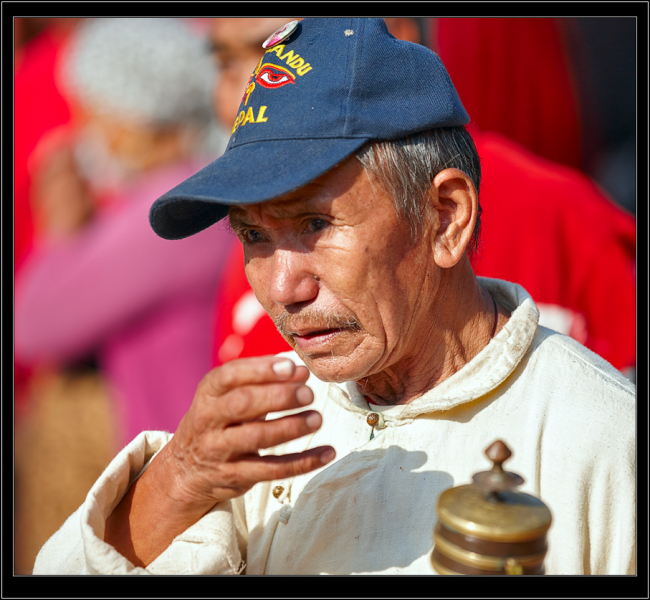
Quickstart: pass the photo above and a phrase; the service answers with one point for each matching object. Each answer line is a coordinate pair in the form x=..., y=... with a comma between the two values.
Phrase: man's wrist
x=152, y=514
x=167, y=482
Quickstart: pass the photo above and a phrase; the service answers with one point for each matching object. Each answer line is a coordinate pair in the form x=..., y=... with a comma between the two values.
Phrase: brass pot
x=488, y=528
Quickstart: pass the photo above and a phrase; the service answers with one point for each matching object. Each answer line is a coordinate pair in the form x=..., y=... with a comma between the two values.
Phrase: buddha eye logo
x=273, y=76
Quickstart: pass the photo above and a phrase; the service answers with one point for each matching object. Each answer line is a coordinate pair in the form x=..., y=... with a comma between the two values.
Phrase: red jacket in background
x=242, y=327
x=544, y=226
x=514, y=76
x=39, y=107
x=553, y=231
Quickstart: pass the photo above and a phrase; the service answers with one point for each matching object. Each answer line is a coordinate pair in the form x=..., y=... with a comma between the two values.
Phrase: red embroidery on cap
x=272, y=76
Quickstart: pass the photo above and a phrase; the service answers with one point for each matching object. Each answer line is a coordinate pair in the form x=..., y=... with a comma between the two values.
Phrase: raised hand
x=214, y=454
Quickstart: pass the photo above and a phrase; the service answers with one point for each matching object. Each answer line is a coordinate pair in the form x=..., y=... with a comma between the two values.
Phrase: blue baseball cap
x=317, y=95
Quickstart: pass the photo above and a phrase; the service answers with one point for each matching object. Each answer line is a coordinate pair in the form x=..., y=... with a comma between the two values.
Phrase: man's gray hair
x=407, y=167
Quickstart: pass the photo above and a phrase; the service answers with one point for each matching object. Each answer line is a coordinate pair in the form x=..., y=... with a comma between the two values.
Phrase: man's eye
x=252, y=236
x=316, y=225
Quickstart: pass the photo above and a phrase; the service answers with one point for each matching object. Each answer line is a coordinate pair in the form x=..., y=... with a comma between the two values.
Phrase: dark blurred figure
x=26, y=29
x=99, y=286
x=603, y=54
x=577, y=255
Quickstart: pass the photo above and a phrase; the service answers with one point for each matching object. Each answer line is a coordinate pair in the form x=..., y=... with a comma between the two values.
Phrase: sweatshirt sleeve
x=212, y=546
x=72, y=295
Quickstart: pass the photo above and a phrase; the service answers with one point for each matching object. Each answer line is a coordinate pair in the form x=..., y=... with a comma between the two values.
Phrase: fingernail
x=327, y=456
x=313, y=420
x=304, y=395
x=283, y=368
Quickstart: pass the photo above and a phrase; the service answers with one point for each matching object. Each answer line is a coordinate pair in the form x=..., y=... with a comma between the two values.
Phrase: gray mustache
x=287, y=324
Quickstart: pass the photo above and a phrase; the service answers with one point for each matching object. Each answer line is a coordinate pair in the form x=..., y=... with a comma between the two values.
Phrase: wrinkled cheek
x=386, y=328
x=260, y=285
x=258, y=275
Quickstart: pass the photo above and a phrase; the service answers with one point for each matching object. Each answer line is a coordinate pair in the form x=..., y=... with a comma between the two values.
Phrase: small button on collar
x=277, y=491
x=373, y=419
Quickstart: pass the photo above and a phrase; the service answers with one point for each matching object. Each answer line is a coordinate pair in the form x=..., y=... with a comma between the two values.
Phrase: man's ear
x=455, y=200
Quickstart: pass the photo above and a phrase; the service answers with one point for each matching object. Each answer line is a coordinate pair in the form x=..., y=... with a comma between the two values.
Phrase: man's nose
x=293, y=280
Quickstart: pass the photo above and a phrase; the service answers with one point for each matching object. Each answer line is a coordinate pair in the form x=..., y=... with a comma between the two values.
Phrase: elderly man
x=353, y=186
x=574, y=245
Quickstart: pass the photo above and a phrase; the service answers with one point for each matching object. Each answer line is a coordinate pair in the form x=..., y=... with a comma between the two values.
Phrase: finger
x=255, y=435
x=251, y=402
x=236, y=478
x=257, y=370
x=270, y=467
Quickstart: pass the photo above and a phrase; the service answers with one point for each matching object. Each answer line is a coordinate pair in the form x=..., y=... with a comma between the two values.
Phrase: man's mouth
x=315, y=331
x=310, y=340
x=310, y=333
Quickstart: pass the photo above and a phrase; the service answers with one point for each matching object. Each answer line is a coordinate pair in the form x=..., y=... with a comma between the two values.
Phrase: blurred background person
x=102, y=305
x=246, y=330
x=577, y=258
x=571, y=88
x=39, y=106
x=563, y=89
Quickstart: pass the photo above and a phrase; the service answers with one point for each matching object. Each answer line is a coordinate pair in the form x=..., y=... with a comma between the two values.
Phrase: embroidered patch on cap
x=274, y=76
x=270, y=76
x=281, y=34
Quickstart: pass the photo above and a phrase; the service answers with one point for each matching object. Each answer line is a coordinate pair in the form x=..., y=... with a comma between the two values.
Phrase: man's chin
x=333, y=368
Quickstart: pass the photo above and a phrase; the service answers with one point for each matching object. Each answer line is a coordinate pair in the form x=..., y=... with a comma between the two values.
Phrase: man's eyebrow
x=290, y=210
x=236, y=221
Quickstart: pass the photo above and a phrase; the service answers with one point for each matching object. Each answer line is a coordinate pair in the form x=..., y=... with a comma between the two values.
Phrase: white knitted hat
x=157, y=70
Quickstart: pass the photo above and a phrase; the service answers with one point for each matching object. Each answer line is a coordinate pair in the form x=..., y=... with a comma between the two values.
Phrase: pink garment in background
x=142, y=304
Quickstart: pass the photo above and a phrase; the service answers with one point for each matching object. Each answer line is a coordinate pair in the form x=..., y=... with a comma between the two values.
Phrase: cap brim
x=247, y=174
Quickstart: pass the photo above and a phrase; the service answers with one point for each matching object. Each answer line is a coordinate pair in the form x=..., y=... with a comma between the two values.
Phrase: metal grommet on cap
x=277, y=491
x=281, y=34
